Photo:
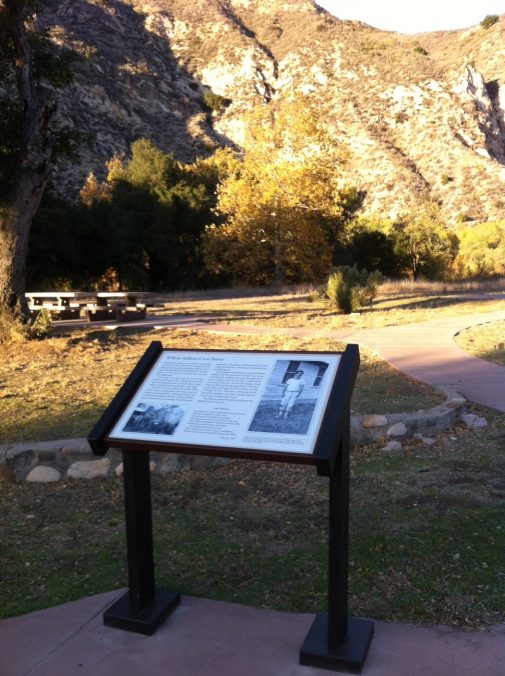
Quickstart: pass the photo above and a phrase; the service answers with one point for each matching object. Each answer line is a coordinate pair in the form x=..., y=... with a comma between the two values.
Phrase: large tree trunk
x=32, y=169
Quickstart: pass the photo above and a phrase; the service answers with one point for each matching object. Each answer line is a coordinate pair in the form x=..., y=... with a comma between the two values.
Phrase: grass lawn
x=427, y=534
x=427, y=528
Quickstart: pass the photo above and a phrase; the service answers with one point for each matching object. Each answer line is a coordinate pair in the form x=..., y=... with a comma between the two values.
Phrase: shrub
x=41, y=326
x=350, y=288
x=420, y=50
x=215, y=102
x=489, y=20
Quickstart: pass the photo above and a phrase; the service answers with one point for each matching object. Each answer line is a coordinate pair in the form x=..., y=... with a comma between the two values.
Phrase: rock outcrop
x=419, y=119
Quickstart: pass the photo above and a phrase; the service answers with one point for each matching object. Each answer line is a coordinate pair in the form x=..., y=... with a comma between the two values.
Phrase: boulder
x=42, y=474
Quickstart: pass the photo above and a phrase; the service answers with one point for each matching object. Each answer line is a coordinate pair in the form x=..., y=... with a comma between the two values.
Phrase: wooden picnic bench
x=91, y=306
x=118, y=306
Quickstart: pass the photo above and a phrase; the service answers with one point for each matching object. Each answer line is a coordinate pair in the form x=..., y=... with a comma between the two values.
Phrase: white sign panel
x=255, y=401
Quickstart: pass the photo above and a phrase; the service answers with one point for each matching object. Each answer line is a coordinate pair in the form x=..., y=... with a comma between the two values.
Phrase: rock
x=474, y=422
x=43, y=475
x=455, y=402
x=392, y=447
x=397, y=430
x=22, y=464
x=173, y=462
x=76, y=447
x=374, y=421
x=427, y=441
x=46, y=455
x=89, y=469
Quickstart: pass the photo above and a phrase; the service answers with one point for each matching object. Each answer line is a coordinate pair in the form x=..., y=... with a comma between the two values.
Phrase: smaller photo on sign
x=151, y=419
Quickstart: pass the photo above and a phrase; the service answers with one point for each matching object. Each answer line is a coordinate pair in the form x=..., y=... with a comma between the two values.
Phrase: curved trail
x=425, y=351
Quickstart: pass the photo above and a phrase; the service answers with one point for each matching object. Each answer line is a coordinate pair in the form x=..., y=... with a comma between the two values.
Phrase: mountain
x=422, y=114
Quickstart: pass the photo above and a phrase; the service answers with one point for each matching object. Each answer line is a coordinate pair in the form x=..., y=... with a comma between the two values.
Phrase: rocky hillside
x=422, y=114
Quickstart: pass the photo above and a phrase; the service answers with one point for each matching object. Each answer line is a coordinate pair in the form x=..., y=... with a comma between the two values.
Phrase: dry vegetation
x=396, y=303
x=486, y=341
x=57, y=388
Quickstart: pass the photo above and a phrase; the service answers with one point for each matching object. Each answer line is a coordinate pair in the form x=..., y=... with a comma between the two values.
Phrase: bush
x=489, y=20
x=420, y=50
x=350, y=288
x=41, y=326
x=215, y=102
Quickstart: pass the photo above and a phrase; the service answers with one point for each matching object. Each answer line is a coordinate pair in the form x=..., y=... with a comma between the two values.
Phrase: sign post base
x=145, y=620
x=349, y=656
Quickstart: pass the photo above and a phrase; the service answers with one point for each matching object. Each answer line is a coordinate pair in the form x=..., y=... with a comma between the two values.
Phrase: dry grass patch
x=486, y=341
x=396, y=304
x=59, y=387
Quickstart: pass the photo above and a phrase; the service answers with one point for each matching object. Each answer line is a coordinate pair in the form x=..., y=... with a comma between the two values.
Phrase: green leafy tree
x=140, y=228
x=150, y=214
x=423, y=243
x=489, y=21
x=369, y=244
x=284, y=204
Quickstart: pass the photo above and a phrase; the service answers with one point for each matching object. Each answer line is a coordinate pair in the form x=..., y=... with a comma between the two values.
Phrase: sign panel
x=239, y=400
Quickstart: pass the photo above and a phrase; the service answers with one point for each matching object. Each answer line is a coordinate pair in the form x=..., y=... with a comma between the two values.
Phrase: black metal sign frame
x=335, y=641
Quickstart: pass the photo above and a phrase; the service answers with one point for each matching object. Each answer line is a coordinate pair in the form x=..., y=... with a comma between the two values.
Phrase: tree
x=423, y=242
x=25, y=156
x=481, y=249
x=367, y=244
x=148, y=217
x=283, y=205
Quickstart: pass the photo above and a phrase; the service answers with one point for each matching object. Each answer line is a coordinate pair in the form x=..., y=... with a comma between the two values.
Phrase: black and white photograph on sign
x=290, y=397
x=150, y=419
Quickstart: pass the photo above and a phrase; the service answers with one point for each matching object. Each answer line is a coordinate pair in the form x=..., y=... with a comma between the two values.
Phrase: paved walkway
x=426, y=351
x=213, y=638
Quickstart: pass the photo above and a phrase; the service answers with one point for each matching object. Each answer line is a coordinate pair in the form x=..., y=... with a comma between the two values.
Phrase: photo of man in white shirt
x=293, y=388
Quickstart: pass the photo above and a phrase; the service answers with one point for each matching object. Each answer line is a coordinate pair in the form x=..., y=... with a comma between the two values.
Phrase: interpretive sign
x=281, y=406
x=240, y=400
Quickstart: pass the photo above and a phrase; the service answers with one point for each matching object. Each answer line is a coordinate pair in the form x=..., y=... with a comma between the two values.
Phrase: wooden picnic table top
x=81, y=295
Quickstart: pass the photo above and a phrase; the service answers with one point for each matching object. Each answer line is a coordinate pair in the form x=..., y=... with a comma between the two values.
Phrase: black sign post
x=144, y=606
x=335, y=641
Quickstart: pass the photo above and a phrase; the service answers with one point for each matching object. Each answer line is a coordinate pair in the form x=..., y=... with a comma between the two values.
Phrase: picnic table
x=92, y=306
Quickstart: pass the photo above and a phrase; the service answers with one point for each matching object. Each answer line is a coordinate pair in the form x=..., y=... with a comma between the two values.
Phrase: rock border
x=398, y=426
x=48, y=461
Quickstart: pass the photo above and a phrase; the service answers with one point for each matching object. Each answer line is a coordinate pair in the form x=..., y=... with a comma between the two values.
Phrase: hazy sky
x=418, y=17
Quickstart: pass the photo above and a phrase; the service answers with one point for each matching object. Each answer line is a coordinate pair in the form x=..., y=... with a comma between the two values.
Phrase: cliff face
x=421, y=114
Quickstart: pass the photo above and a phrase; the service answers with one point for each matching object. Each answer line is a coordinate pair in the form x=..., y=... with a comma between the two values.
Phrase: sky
x=418, y=17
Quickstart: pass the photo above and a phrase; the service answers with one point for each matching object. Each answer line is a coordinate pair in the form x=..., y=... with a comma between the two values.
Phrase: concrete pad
x=211, y=638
